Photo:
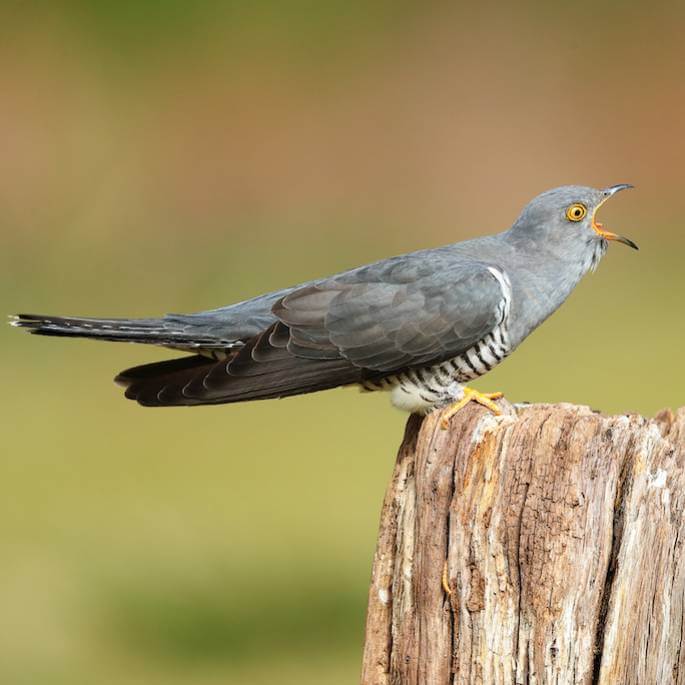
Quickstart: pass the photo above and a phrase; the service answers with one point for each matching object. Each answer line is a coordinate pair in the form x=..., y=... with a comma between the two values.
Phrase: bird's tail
x=152, y=331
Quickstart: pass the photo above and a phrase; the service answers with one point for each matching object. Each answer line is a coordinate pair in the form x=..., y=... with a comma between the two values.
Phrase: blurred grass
x=206, y=623
x=179, y=156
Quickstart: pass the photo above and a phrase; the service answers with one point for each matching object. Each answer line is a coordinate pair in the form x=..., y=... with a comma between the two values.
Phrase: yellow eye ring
x=576, y=212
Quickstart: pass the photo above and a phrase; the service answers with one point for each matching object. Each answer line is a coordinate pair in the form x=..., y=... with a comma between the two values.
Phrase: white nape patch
x=383, y=596
x=658, y=479
x=504, y=284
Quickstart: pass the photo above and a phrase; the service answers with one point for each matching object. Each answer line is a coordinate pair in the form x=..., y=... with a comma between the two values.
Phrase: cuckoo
x=420, y=326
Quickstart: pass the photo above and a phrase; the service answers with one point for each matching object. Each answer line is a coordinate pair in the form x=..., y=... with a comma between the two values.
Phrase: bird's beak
x=599, y=228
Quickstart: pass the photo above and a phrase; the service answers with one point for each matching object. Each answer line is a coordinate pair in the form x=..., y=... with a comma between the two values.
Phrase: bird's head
x=564, y=220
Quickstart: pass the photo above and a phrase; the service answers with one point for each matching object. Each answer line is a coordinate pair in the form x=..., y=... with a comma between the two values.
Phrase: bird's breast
x=420, y=390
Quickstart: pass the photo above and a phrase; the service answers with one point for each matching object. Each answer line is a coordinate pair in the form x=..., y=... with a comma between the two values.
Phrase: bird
x=421, y=326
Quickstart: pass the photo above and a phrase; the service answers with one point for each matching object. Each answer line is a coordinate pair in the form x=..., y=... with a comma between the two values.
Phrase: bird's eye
x=576, y=212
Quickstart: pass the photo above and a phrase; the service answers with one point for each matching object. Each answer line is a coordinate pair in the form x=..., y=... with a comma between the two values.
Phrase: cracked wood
x=559, y=534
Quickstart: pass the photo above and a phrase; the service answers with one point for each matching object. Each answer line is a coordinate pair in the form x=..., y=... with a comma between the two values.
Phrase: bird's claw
x=484, y=398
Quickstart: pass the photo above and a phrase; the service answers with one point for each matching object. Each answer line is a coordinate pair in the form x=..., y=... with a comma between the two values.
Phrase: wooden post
x=541, y=546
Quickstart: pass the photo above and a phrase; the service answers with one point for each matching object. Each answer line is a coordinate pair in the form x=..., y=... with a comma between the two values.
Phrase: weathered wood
x=559, y=534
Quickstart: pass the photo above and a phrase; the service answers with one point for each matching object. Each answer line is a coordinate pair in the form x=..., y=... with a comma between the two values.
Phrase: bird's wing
x=395, y=314
x=404, y=312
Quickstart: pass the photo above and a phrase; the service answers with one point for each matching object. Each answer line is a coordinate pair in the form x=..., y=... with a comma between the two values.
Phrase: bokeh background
x=174, y=156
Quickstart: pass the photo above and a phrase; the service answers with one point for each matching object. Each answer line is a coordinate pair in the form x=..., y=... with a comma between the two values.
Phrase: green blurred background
x=175, y=156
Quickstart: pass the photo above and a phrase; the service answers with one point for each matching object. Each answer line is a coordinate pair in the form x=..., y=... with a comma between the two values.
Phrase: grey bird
x=420, y=325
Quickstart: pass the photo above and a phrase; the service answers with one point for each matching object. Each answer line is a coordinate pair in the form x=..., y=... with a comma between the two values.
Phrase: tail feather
x=257, y=368
x=183, y=381
x=163, y=369
x=152, y=331
x=261, y=369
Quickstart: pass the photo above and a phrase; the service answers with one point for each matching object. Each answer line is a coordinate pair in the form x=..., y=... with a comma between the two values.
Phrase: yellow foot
x=484, y=398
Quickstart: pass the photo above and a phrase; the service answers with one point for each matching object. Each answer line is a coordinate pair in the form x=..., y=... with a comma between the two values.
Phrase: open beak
x=599, y=228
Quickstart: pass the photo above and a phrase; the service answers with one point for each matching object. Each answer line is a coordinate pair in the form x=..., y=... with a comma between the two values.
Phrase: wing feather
x=396, y=315
x=389, y=318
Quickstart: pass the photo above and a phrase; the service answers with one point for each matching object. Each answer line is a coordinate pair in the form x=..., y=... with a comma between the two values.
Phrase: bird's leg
x=484, y=398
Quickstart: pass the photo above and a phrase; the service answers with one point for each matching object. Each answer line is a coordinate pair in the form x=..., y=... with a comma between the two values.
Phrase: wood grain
x=559, y=534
